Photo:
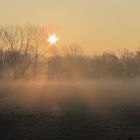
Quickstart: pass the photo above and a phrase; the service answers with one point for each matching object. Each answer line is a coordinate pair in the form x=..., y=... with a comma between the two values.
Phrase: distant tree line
x=25, y=53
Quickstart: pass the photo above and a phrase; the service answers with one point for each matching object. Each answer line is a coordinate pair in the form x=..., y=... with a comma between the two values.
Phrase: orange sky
x=97, y=25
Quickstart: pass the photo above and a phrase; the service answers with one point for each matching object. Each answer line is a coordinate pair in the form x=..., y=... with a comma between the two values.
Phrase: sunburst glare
x=53, y=39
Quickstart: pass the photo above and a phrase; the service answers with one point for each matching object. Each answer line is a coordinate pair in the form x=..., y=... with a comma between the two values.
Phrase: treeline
x=106, y=65
x=25, y=53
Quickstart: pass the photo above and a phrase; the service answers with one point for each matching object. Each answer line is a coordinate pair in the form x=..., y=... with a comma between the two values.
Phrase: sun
x=52, y=39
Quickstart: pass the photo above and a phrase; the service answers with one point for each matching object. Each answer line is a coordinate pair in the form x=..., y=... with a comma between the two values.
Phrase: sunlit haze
x=95, y=24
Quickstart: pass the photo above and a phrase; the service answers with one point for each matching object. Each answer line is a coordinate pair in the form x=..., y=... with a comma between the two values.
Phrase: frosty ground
x=100, y=110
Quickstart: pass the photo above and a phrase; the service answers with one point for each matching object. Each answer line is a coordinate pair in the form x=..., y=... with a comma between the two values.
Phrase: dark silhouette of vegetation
x=25, y=53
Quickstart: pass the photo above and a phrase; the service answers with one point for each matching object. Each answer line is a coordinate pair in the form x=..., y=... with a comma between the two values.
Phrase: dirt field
x=41, y=110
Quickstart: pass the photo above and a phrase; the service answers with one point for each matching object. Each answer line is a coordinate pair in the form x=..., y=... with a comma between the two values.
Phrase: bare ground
x=72, y=110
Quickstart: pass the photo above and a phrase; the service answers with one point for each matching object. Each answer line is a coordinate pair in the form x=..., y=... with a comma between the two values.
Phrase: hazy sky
x=98, y=24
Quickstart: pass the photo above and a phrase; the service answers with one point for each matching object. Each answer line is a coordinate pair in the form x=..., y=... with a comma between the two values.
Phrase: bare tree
x=2, y=47
x=38, y=48
x=73, y=50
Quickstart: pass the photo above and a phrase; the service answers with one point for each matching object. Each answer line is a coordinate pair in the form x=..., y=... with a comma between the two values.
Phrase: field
x=99, y=110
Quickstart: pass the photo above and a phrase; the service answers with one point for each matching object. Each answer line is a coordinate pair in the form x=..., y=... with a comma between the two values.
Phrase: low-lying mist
x=59, y=96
